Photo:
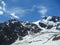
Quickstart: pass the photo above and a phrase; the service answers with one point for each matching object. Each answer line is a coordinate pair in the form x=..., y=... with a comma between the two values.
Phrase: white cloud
x=42, y=10
x=14, y=12
x=3, y=7
x=3, y=3
x=14, y=16
x=17, y=12
x=0, y=7
x=1, y=12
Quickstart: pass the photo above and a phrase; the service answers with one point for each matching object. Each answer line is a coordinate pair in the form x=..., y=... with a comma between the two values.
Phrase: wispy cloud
x=20, y=12
x=3, y=3
x=42, y=10
x=14, y=12
x=17, y=12
x=14, y=15
x=1, y=12
x=2, y=7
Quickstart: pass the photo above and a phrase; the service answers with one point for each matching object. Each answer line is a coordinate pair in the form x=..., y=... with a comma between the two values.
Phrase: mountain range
x=13, y=30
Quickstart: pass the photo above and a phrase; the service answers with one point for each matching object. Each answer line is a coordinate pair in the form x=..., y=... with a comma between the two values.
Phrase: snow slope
x=45, y=37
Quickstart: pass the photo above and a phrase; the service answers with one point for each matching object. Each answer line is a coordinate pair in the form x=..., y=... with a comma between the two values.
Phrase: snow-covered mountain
x=15, y=32
x=42, y=32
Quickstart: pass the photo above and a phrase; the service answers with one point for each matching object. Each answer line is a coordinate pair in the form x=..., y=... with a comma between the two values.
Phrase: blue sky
x=33, y=10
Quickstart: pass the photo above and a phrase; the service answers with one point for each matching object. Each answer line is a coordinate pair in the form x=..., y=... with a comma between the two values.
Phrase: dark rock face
x=42, y=24
x=58, y=26
x=7, y=36
x=45, y=18
x=55, y=19
x=12, y=29
x=49, y=26
x=34, y=28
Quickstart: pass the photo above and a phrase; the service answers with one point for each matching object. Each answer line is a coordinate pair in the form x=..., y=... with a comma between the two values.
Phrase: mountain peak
x=52, y=18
